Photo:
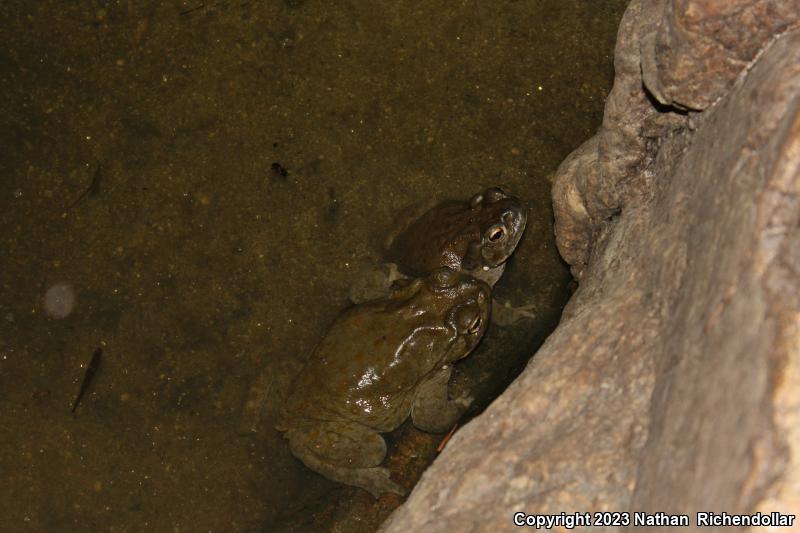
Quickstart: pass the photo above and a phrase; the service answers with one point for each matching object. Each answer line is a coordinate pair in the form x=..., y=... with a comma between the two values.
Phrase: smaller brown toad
x=476, y=236
x=381, y=362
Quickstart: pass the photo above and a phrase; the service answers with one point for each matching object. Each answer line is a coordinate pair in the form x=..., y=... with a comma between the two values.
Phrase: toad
x=379, y=363
x=476, y=236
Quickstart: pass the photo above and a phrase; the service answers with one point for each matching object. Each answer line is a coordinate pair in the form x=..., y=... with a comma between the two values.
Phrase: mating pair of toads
x=390, y=357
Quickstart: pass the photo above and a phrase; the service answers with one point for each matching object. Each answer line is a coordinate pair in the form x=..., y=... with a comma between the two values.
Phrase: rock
x=671, y=383
x=701, y=46
x=591, y=184
x=728, y=349
x=687, y=53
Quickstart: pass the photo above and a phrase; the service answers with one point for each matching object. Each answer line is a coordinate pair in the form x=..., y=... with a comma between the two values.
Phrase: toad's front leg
x=433, y=410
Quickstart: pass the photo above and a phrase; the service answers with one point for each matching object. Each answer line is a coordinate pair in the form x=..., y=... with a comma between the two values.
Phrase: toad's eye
x=496, y=233
x=475, y=326
x=468, y=319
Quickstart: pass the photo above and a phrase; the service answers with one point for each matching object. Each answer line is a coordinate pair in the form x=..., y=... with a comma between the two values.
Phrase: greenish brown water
x=207, y=177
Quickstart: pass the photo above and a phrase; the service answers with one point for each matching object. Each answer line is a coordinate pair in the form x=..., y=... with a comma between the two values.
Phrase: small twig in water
x=92, y=190
x=191, y=10
x=91, y=369
x=446, y=438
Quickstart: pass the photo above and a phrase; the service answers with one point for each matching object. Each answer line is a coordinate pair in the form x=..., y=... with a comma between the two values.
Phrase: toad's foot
x=374, y=480
x=373, y=282
x=504, y=314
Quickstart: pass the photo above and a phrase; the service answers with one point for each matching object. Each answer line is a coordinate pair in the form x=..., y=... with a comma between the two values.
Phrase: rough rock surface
x=671, y=383
x=600, y=169
x=694, y=57
x=686, y=53
x=728, y=219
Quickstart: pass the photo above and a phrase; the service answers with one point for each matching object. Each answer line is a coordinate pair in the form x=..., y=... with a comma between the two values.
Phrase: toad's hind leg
x=349, y=455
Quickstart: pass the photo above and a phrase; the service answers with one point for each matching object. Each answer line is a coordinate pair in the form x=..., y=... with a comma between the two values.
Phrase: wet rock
x=672, y=382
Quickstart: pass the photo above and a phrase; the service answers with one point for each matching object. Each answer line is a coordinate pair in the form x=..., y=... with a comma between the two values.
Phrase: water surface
x=205, y=177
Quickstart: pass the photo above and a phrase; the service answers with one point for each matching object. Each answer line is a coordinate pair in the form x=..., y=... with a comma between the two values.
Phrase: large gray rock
x=672, y=382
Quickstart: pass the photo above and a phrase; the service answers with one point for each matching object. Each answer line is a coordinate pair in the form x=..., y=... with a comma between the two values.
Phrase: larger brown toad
x=381, y=362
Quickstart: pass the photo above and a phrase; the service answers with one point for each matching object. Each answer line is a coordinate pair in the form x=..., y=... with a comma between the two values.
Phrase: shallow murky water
x=194, y=186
